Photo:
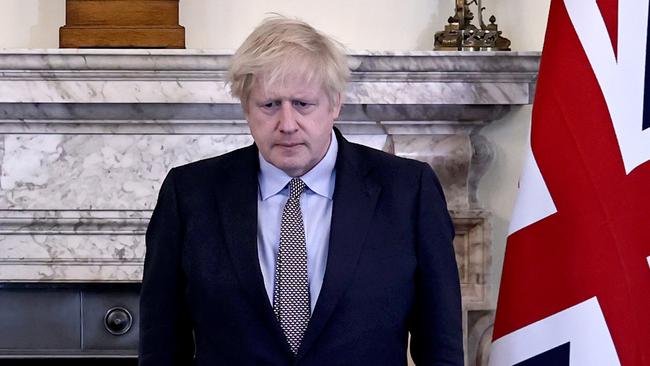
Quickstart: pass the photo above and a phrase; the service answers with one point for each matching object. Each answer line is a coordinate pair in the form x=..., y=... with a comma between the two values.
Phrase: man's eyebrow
x=305, y=96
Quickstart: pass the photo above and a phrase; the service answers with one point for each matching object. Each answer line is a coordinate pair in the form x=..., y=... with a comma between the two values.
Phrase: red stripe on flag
x=609, y=9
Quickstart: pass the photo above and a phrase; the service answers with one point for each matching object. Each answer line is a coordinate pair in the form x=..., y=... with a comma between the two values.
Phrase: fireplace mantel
x=197, y=76
x=84, y=85
x=88, y=136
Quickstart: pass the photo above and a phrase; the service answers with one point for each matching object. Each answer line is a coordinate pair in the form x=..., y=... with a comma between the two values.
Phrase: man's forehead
x=292, y=86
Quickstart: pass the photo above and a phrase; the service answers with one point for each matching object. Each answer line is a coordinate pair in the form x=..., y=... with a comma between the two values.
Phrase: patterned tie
x=291, y=302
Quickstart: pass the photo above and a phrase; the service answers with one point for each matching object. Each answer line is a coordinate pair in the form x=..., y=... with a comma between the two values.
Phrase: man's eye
x=301, y=104
x=271, y=104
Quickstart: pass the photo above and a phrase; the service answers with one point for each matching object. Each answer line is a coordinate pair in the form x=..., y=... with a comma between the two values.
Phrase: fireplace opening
x=69, y=324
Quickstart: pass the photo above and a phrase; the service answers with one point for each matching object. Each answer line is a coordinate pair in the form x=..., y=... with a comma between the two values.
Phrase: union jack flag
x=575, y=287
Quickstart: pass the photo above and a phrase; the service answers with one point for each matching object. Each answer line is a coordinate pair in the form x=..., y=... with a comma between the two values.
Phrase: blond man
x=303, y=248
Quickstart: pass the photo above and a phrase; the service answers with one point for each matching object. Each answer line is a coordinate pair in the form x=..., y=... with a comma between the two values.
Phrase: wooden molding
x=122, y=24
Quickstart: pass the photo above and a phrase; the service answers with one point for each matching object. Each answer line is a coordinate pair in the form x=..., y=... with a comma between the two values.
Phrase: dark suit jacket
x=390, y=269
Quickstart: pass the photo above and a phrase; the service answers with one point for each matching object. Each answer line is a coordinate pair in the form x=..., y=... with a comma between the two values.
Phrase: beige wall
x=524, y=22
x=359, y=24
x=31, y=23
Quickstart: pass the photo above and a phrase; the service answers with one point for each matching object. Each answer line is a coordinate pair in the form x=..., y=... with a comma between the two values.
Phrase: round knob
x=118, y=321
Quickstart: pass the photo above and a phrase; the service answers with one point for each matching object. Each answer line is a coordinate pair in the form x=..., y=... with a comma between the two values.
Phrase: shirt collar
x=320, y=179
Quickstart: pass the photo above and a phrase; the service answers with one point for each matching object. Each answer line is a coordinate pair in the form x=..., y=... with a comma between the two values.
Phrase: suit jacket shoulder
x=385, y=168
x=242, y=158
x=197, y=180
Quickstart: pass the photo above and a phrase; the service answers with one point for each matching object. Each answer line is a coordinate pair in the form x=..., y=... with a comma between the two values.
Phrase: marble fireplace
x=88, y=135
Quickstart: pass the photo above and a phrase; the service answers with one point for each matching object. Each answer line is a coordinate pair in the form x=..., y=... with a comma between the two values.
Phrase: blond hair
x=281, y=47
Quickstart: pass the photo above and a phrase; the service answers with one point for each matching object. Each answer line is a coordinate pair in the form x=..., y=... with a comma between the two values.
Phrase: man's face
x=291, y=123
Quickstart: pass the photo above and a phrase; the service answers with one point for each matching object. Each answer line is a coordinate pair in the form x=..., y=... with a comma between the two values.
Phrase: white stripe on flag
x=619, y=76
x=534, y=201
x=583, y=325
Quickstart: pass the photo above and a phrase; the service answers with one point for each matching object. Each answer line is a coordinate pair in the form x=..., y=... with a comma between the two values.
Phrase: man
x=303, y=248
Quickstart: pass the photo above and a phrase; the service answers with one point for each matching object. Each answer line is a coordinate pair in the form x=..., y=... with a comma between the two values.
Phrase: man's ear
x=244, y=108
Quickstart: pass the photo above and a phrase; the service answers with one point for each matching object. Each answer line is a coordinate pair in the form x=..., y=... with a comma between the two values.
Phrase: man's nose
x=287, y=116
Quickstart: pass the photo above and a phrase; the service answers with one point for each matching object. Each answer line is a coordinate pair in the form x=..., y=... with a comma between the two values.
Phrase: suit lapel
x=355, y=198
x=237, y=201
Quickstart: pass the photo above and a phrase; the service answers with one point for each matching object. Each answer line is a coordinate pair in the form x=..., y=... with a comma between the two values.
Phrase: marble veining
x=472, y=246
x=70, y=222
x=449, y=155
x=61, y=271
x=198, y=76
x=102, y=172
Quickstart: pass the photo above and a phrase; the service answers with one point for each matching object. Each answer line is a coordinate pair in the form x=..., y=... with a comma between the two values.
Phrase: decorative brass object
x=461, y=35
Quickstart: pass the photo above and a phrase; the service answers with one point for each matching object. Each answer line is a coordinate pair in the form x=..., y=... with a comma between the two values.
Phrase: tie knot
x=296, y=187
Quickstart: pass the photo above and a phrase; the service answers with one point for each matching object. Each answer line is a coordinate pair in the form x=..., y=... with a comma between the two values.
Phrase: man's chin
x=291, y=168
